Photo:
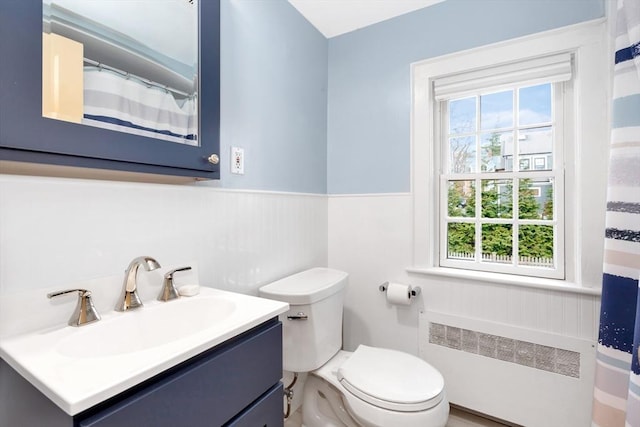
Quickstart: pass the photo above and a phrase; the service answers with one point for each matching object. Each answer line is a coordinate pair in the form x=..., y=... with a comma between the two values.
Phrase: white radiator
x=524, y=376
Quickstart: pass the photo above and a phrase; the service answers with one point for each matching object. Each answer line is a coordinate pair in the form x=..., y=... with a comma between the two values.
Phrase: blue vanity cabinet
x=25, y=136
x=235, y=384
x=263, y=413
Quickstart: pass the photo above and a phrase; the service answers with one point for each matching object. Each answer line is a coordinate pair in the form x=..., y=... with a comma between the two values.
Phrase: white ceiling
x=335, y=17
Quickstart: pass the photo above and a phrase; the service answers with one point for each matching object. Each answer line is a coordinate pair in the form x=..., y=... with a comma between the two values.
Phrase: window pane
x=535, y=245
x=462, y=115
x=497, y=198
x=461, y=198
x=536, y=146
x=497, y=243
x=462, y=154
x=496, y=110
x=461, y=241
x=535, y=105
x=535, y=198
x=496, y=150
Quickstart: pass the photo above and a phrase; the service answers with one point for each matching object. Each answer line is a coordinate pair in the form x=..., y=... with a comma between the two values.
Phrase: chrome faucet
x=129, y=298
x=169, y=291
x=84, y=312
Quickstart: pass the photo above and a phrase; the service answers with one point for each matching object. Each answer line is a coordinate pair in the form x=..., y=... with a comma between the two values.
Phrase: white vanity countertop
x=78, y=368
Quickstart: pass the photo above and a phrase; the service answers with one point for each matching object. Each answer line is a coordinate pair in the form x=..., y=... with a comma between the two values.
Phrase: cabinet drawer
x=265, y=412
x=209, y=391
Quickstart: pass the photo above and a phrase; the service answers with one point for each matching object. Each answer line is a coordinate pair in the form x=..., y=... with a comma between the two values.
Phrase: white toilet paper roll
x=398, y=294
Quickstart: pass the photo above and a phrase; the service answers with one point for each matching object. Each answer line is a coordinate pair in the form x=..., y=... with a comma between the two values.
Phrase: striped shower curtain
x=617, y=384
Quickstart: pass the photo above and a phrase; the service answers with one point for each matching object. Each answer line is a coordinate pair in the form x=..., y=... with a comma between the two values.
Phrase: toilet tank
x=312, y=328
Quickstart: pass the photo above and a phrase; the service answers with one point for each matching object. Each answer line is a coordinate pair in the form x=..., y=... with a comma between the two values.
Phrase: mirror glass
x=128, y=66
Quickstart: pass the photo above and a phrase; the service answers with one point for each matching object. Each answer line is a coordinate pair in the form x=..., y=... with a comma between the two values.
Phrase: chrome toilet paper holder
x=413, y=291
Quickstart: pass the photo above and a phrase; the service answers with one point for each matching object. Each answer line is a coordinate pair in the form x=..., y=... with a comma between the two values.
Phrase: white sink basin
x=78, y=368
x=147, y=327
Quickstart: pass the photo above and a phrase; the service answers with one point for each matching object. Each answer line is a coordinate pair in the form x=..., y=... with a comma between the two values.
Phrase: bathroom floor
x=457, y=418
x=460, y=418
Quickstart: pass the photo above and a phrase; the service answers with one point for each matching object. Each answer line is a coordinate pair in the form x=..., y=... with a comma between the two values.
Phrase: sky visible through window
x=491, y=118
x=496, y=109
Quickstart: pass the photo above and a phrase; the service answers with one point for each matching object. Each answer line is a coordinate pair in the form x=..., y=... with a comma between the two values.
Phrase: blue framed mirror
x=25, y=135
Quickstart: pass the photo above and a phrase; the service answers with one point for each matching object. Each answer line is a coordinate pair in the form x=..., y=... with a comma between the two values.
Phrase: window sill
x=507, y=279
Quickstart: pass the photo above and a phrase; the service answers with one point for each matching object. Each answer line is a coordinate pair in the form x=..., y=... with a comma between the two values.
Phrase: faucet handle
x=169, y=290
x=85, y=312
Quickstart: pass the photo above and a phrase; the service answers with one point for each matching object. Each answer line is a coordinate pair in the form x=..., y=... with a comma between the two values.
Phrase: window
x=492, y=213
x=464, y=146
x=539, y=163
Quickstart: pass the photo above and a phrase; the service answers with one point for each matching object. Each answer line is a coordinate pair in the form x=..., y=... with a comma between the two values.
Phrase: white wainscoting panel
x=61, y=232
x=370, y=237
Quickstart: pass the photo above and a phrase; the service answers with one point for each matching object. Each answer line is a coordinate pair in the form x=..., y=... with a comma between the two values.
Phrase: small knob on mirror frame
x=213, y=159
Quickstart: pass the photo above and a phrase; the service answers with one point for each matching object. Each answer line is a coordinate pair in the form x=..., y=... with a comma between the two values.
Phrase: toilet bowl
x=373, y=390
x=370, y=387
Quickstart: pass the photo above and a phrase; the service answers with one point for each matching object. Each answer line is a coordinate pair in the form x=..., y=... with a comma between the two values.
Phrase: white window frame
x=561, y=107
x=587, y=43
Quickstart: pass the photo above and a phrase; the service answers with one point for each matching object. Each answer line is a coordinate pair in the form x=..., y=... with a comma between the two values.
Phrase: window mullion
x=443, y=221
x=443, y=169
x=478, y=222
x=559, y=201
x=515, y=247
x=515, y=251
x=478, y=186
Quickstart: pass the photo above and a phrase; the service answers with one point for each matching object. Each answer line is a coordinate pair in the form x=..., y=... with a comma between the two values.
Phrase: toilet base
x=323, y=406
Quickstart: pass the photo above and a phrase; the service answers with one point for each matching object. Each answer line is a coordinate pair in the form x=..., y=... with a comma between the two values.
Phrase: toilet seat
x=391, y=379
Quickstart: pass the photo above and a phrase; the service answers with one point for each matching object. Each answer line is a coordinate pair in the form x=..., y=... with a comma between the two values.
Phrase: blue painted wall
x=273, y=97
x=369, y=79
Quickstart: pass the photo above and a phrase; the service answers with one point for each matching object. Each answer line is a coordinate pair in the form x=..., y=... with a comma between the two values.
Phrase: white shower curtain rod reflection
x=149, y=83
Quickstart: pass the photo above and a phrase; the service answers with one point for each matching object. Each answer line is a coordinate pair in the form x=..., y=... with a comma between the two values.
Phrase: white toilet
x=369, y=387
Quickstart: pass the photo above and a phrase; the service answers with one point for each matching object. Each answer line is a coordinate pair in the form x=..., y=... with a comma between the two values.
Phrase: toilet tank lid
x=306, y=287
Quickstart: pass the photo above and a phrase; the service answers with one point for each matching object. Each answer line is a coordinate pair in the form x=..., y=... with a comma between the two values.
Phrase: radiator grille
x=537, y=356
